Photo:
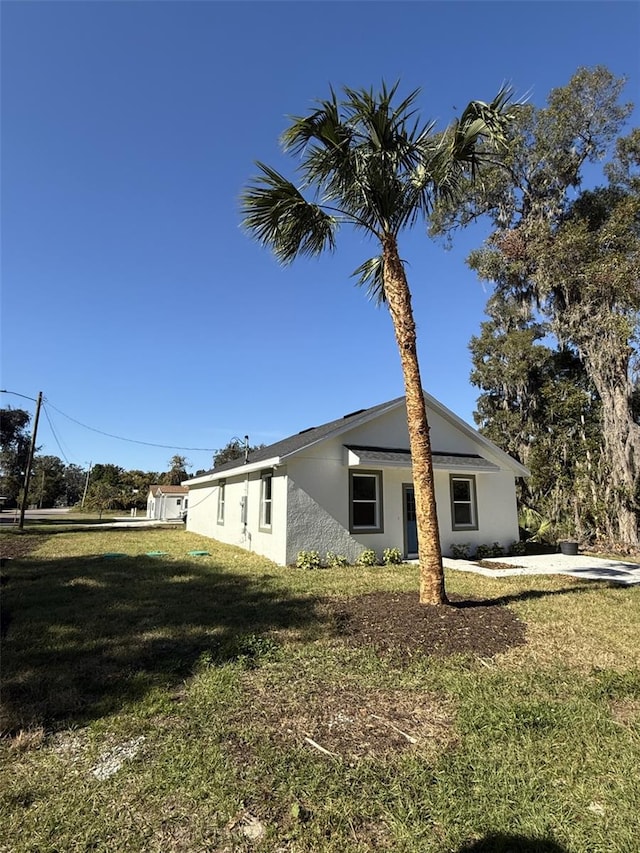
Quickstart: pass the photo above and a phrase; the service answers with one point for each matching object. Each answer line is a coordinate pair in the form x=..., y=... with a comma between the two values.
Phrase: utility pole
x=86, y=486
x=27, y=473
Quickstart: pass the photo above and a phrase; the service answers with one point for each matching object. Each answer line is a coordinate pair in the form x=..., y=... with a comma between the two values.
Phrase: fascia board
x=249, y=468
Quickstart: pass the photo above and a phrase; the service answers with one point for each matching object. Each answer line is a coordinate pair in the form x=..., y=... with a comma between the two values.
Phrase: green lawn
x=208, y=703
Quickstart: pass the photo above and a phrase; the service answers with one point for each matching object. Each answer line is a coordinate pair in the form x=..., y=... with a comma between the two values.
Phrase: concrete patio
x=580, y=566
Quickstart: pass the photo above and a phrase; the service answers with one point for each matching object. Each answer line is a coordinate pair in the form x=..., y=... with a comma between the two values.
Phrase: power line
x=130, y=440
x=53, y=432
x=15, y=394
x=108, y=434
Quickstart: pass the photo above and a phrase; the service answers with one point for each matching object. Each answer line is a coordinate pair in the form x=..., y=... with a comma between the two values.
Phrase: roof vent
x=351, y=414
x=308, y=429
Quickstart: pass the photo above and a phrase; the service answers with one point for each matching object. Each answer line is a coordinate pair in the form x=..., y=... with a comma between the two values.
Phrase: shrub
x=391, y=556
x=367, y=558
x=461, y=551
x=484, y=551
x=308, y=560
x=517, y=548
x=335, y=561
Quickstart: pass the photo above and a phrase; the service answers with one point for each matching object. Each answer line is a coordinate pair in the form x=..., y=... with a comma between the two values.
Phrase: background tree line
x=56, y=483
x=556, y=361
x=101, y=487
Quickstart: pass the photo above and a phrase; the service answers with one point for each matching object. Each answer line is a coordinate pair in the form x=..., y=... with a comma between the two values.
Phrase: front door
x=410, y=525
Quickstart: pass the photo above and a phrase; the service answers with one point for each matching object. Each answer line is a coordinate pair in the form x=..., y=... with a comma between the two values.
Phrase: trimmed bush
x=308, y=560
x=367, y=558
x=335, y=561
x=391, y=556
x=461, y=551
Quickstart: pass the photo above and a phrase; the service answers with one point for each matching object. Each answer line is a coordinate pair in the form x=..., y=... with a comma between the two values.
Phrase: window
x=178, y=502
x=265, y=500
x=464, y=515
x=221, y=490
x=365, y=501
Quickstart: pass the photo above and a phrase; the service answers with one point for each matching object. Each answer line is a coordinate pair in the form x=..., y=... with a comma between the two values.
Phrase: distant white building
x=167, y=503
x=347, y=485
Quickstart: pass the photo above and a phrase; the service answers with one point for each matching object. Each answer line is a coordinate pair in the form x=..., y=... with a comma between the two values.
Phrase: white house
x=346, y=485
x=167, y=503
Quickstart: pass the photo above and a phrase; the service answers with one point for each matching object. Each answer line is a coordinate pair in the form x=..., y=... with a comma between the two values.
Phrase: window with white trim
x=266, y=487
x=222, y=485
x=464, y=513
x=365, y=501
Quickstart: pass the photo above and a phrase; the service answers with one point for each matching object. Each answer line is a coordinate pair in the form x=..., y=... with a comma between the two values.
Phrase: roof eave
x=349, y=423
x=238, y=471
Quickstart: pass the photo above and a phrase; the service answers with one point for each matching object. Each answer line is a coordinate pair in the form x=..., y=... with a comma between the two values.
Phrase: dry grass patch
x=626, y=712
x=583, y=624
x=346, y=720
x=26, y=740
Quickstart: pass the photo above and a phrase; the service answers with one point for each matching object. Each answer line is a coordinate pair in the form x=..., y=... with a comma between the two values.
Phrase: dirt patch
x=398, y=626
x=348, y=721
x=492, y=564
x=14, y=545
x=626, y=712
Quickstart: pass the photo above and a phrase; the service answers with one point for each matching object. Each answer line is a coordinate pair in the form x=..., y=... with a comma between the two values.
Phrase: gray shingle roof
x=306, y=437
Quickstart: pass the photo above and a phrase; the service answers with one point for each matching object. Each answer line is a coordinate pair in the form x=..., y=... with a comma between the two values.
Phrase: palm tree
x=369, y=163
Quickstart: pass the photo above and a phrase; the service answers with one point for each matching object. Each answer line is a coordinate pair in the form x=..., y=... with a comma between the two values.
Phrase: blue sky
x=130, y=296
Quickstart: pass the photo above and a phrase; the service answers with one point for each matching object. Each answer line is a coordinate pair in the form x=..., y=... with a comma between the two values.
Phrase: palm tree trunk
x=398, y=297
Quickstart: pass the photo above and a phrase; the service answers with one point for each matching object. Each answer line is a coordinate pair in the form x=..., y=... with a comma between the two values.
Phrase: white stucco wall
x=311, y=497
x=496, y=508
x=319, y=493
x=165, y=507
x=203, y=514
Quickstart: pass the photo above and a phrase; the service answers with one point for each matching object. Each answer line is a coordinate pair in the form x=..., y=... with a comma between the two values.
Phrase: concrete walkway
x=588, y=568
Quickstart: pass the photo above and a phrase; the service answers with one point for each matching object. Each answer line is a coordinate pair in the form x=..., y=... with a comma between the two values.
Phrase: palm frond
x=369, y=160
x=278, y=216
x=324, y=127
x=370, y=274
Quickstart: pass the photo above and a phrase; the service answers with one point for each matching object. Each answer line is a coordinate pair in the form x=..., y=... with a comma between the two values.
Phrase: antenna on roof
x=246, y=449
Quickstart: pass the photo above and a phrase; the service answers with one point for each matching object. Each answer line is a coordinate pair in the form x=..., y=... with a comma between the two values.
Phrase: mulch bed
x=398, y=626
x=13, y=545
x=395, y=624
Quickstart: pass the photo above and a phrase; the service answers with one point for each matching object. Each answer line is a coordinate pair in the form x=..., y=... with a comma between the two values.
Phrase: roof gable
x=159, y=489
x=287, y=447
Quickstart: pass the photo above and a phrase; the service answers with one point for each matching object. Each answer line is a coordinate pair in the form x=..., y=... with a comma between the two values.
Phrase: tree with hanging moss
x=573, y=255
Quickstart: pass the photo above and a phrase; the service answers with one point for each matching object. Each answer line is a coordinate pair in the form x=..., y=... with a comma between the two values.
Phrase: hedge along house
x=347, y=485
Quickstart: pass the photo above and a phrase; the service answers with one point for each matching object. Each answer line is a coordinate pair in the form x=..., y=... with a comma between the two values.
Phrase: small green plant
x=308, y=560
x=250, y=650
x=517, y=548
x=460, y=551
x=493, y=550
x=335, y=561
x=367, y=558
x=391, y=556
x=484, y=551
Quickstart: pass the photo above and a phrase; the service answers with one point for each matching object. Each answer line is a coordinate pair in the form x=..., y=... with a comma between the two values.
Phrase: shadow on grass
x=89, y=635
x=498, y=843
x=524, y=595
